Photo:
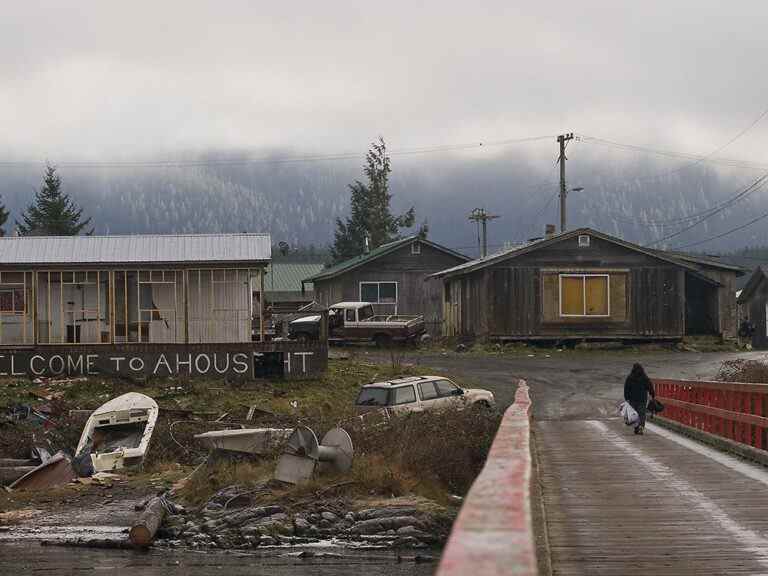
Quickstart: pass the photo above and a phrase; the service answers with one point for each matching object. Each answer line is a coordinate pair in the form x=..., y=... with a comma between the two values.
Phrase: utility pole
x=481, y=217
x=562, y=139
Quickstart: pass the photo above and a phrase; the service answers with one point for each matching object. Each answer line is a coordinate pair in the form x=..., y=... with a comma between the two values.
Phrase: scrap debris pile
x=116, y=435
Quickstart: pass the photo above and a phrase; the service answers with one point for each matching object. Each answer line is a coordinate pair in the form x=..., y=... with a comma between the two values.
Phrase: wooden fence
x=729, y=410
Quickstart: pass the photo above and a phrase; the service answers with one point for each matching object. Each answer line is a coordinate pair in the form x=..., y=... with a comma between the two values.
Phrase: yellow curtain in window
x=597, y=295
x=572, y=295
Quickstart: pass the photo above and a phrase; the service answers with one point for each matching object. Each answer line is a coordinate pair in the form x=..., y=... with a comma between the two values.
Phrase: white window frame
x=415, y=249
x=584, y=240
x=378, y=297
x=584, y=288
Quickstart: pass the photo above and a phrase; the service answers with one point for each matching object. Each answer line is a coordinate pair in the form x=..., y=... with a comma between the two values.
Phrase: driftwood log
x=143, y=531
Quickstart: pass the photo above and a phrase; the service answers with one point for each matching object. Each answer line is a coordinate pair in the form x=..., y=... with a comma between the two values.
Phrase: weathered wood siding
x=727, y=308
x=757, y=315
x=416, y=294
x=519, y=298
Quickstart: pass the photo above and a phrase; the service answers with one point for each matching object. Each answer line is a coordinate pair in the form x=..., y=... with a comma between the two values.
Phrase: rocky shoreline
x=335, y=522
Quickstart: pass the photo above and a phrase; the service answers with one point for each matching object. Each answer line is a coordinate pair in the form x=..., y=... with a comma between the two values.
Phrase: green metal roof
x=287, y=276
x=347, y=265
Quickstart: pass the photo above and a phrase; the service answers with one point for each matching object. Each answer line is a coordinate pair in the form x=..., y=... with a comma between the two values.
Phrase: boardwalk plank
x=616, y=503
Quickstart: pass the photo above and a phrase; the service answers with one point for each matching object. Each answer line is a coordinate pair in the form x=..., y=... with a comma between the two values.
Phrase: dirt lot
x=566, y=385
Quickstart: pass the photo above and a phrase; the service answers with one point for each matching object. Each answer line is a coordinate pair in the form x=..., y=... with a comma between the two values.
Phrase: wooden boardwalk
x=657, y=504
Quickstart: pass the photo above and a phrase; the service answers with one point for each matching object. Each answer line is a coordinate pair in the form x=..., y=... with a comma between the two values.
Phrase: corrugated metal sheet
x=287, y=276
x=144, y=249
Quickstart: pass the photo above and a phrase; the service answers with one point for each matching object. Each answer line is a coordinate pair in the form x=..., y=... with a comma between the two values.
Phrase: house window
x=583, y=241
x=415, y=248
x=584, y=295
x=378, y=292
x=12, y=301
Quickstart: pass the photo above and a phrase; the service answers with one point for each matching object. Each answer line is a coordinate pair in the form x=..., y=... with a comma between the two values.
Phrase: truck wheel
x=383, y=340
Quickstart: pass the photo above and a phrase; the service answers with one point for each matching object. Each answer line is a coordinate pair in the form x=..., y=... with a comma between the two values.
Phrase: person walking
x=637, y=388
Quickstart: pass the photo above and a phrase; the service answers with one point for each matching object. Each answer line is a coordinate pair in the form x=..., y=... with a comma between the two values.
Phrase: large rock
x=371, y=513
x=378, y=525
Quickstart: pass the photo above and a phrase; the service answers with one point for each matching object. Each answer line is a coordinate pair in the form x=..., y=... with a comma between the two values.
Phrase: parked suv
x=420, y=393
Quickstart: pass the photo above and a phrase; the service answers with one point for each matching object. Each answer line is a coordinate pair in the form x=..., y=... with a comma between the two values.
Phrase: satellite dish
x=302, y=454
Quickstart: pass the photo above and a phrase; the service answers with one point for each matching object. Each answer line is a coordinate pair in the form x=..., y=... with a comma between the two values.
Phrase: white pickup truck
x=357, y=322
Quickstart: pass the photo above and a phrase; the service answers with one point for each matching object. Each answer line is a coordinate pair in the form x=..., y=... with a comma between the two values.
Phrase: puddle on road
x=275, y=562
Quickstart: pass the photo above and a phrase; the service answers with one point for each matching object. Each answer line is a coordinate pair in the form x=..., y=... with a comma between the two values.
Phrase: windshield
x=364, y=313
x=373, y=397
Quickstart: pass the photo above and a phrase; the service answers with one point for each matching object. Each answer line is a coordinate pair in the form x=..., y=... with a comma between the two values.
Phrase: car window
x=404, y=395
x=373, y=397
x=349, y=315
x=365, y=312
x=445, y=388
x=427, y=390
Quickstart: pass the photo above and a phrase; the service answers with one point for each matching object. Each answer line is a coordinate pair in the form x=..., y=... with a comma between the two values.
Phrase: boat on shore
x=117, y=433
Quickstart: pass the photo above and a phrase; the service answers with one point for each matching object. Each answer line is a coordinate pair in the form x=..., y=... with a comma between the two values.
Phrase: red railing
x=728, y=409
x=493, y=534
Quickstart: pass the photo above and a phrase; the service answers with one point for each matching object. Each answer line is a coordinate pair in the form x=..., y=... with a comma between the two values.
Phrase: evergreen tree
x=3, y=218
x=53, y=213
x=370, y=214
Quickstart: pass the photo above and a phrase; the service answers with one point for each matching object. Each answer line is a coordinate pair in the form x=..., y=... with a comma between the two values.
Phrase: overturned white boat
x=117, y=434
x=246, y=440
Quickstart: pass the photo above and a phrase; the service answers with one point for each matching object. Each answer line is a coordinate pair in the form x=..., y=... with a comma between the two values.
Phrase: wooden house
x=393, y=277
x=584, y=284
x=753, y=303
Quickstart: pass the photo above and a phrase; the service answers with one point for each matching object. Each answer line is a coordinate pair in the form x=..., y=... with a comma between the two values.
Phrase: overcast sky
x=105, y=79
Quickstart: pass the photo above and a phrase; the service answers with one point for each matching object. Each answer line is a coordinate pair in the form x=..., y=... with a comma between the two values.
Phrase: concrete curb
x=493, y=534
x=723, y=444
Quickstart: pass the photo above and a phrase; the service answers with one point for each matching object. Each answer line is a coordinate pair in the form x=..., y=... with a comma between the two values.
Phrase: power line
x=731, y=231
x=672, y=154
x=668, y=223
x=706, y=157
x=274, y=159
x=746, y=192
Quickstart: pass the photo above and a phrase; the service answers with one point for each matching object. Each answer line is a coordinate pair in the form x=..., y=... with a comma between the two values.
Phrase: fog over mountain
x=298, y=202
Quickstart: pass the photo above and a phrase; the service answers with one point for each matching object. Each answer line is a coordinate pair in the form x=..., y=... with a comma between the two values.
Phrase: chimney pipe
x=366, y=244
x=549, y=230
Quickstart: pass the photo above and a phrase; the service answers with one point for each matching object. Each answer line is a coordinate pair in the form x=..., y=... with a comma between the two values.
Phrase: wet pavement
x=567, y=385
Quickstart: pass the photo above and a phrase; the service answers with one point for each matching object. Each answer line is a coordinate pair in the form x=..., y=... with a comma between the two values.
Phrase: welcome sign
x=243, y=363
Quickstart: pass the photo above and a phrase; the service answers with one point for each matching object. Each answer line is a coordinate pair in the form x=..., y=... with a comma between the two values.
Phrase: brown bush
x=447, y=448
x=749, y=371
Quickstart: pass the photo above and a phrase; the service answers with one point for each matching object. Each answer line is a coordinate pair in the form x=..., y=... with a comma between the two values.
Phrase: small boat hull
x=259, y=441
x=53, y=472
x=117, y=434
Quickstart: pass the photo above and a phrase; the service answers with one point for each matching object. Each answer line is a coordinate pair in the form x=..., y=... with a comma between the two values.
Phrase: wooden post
x=143, y=532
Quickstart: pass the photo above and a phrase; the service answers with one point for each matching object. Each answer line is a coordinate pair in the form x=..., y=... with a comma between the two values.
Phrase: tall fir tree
x=370, y=214
x=53, y=213
x=3, y=218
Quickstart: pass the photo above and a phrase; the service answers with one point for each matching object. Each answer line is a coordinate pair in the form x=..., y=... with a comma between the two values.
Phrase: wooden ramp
x=657, y=504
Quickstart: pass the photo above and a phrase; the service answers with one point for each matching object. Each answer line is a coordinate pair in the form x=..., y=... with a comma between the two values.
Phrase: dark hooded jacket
x=638, y=386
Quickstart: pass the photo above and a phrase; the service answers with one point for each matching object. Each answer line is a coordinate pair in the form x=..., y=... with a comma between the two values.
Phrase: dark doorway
x=701, y=307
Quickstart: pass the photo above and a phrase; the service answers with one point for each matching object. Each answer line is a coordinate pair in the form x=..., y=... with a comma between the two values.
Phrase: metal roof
x=287, y=276
x=137, y=249
x=382, y=250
